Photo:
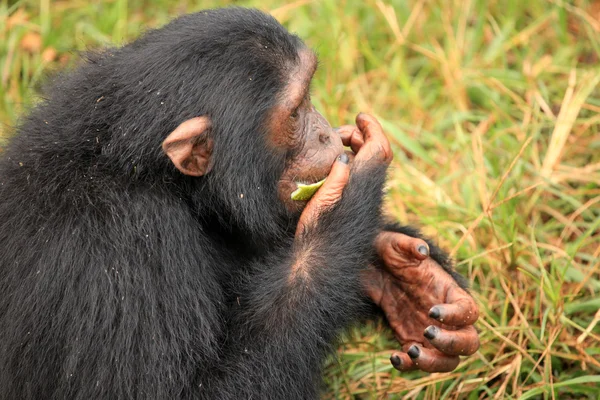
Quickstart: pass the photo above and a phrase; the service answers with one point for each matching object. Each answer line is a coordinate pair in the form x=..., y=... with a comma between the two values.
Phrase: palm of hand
x=431, y=316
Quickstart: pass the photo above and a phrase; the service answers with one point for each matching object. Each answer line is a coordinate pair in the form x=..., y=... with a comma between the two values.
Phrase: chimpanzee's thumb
x=328, y=194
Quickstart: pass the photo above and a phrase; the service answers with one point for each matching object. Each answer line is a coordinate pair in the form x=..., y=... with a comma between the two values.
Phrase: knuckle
x=336, y=188
x=383, y=152
x=473, y=348
x=329, y=198
x=468, y=310
x=395, y=245
x=389, y=156
x=476, y=344
x=357, y=138
x=337, y=178
x=474, y=313
x=389, y=258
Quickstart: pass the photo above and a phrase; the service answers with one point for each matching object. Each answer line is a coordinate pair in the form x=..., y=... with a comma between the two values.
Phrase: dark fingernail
x=396, y=361
x=431, y=332
x=423, y=250
x=344, y=158
x=434, y=313
x=414, y=351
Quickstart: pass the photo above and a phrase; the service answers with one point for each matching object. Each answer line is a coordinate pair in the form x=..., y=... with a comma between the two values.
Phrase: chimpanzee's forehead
x=309, y=59
x=301, y=75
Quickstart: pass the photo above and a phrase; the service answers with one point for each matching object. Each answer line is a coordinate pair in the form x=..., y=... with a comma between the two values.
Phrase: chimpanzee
x=149, y=245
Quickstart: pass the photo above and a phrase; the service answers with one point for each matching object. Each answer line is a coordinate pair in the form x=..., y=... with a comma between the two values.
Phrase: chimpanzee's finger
x=351, y=137
x=460, y=311
x=402, y=362
x=377, y=146
x=392, y=246
x=327, y=195
x=462, y=342
x=431, y=360
x=345, y=132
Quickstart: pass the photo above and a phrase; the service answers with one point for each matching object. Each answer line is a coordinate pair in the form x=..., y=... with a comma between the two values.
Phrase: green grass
x=492, y=107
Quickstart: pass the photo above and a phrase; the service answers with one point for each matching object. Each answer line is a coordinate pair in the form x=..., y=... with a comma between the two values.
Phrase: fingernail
x=431, y=332
x=344, y=158
x=414, y=351
x=434, y=313
x=396, y=361
x=423, y=250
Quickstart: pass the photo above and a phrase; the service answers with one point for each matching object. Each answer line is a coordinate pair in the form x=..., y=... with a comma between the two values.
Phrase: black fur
x=120, y=278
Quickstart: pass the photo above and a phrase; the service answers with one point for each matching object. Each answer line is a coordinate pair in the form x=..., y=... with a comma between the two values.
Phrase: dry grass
x=492, y=107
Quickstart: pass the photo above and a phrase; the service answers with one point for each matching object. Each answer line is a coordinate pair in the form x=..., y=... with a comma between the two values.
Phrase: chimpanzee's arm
x=296, y=302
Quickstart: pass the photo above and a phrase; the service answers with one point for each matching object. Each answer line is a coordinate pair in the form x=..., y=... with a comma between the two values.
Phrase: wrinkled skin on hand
x=431, y=316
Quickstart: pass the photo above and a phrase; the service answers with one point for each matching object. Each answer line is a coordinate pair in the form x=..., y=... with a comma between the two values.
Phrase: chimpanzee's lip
x=305, y=182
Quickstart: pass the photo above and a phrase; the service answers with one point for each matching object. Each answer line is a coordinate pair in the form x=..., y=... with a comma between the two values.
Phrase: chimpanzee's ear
x=189, y=146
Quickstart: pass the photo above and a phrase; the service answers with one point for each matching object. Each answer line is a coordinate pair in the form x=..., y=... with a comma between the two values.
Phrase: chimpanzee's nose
x=325, y=138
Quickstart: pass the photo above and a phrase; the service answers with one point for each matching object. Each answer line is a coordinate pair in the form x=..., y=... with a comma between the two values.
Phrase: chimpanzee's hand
x=421, y=301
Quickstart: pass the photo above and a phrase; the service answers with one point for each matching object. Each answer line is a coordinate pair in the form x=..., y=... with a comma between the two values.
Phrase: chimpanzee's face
x=295, y=128
x=299, y=129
